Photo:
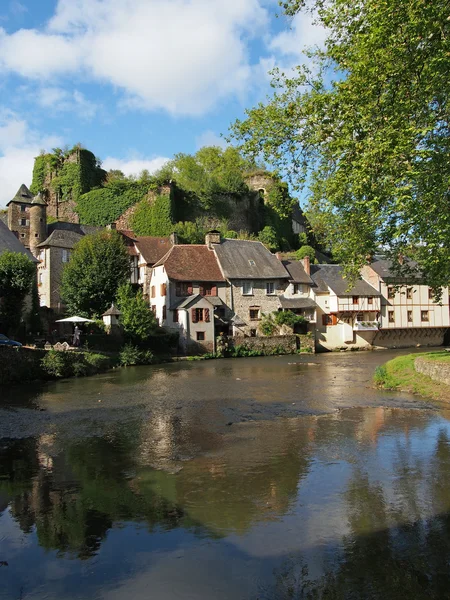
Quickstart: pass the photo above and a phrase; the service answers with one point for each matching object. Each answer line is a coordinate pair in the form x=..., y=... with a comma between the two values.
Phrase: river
x=256, y=479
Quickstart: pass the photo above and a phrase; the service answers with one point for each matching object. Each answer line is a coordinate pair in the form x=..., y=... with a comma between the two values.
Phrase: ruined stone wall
x=438, y=371
x=124, y=222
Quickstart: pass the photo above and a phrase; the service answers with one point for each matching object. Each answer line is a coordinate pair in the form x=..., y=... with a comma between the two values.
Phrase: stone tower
x=38, y=223
x=19, y=214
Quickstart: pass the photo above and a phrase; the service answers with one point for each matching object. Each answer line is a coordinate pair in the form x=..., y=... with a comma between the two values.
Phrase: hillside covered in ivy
x=191, y=194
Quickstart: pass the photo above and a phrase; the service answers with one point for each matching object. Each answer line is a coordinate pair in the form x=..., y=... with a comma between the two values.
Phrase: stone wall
x=408, y=338
x=20, y=364
x=438, y=371
x=287, y=342
x=125, y=220
x=266, y=303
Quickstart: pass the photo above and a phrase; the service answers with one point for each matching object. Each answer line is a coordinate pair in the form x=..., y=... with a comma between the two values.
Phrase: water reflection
x=174, y=499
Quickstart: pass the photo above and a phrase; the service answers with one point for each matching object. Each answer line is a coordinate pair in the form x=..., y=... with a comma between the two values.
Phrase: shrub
x=380, y=376
x=55, y=364
x=131, y=355
x=306, y=251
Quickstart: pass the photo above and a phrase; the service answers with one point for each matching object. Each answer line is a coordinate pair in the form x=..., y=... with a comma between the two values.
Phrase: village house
x=409, y=314
x=257, y=280
x=345, y=317
x=188, y=295
x=298, y=295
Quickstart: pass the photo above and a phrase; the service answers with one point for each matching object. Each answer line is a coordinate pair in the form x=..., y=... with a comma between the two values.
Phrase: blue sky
x=135, y=81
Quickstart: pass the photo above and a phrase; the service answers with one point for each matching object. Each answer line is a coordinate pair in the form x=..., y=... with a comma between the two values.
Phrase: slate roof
x=74, y=227
x=188, y=301
x=244, y=259
x=332, y=276
x=383, y=267
x=297, y=272
x=61, y=239
x=191, y=262
x=152, y=248
x=297, y=302
x=23, y=195
x=9, y=242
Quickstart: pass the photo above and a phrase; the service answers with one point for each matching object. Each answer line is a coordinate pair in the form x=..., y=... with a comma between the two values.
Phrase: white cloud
x=303, y=33
x=19, y=145
x=177, y=55
x=209, y=138
x=61, y=100
x=134, y=165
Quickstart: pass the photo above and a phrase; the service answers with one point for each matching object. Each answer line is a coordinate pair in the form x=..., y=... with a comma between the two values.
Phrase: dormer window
x=252, y=263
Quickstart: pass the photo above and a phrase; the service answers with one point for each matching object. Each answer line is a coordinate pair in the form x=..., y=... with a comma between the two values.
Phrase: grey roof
x=23, y=195
x=4, y=216
x=39, y=200
x=112, y=310
x=215, y=300
x=332, y=276
x=297, y=272
x=243, y=259
x=9, y=242
x=75, y=227
x=61, y=239
x=188, y=301
x=383, y=267
x=297, y=302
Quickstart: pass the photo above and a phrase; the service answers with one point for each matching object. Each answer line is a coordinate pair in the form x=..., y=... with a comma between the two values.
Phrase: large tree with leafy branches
x=17, y=273
x=366, y=130
x=98, y=266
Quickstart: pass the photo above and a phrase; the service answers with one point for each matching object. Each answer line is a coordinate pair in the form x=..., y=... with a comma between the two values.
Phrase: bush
x=306, y=251
x=380, y=376
x=56, y=364
x=131, y=355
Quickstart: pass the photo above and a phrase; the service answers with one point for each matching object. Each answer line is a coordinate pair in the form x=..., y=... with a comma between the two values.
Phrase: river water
x=261, y=478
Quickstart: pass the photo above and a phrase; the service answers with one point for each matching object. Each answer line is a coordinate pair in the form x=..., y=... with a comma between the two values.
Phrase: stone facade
x=19, y=221
x=53, y=260
x=438, y=371
x=288, y=343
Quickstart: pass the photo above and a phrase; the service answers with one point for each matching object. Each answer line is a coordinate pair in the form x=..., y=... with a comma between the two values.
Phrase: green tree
x=366, y=129
x=137, y=319
x=98, y=266
x=268, y=236
x=16, y=277
x=306, y=251
x=153, y=218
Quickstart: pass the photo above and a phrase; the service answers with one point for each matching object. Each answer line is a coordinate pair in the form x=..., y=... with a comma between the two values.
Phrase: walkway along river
x=264, y=478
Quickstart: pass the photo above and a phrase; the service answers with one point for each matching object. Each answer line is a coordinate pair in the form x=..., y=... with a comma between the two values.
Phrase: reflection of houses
x=257, y=280
x=408, y=315
x=187, y=294
x=346, y=316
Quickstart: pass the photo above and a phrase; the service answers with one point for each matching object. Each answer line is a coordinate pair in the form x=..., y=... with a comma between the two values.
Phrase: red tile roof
x=153, y=248
x=190, y=262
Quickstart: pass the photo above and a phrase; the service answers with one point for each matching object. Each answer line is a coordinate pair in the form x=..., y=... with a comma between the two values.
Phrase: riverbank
x=422, y=374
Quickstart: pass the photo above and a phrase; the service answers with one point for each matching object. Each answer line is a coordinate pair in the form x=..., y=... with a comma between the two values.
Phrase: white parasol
x=74, y=319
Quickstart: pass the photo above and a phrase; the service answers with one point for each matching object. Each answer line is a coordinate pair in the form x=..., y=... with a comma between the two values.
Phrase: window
x=391, y=293
x=200, y=315
x=163, y=289
x=408, y=293
x=370, y=300
x=270, y=288
x=424, y=316
x=254, y=313
x=251, y=263
x=430, y=294
x=36, y=235
x=355, y=299
x=410, y=316
x=208, y=289
x=23, y=208
x=295, y=288
x=200, y=336
x=154, y=309
x=23, y=222
x=153, y=291
x=164, y=312
x=360, y=317
x=184, y=288
x=252, y=332
x=65, y=256
x=247, y=288
x=22, y=235
x=391, y=316
x=40, y=279
x=329, y=320
x=175, y=316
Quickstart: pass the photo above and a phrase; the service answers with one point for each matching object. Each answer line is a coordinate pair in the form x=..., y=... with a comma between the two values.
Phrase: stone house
x=346, y=317
x=188, y=295
x=409, y=315
x=256, y=281
x=298, y=295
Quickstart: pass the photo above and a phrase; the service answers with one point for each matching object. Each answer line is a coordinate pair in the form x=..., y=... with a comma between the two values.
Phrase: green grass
x=399, y=374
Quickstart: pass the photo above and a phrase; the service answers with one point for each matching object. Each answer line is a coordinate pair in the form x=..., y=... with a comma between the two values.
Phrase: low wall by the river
x=438, y=371
x=20, y=364
x=288, y=344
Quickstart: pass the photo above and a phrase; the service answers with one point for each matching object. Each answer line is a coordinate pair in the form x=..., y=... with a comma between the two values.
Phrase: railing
x=366, y=326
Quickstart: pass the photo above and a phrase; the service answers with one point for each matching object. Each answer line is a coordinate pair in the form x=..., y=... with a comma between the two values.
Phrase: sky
x=134, y=81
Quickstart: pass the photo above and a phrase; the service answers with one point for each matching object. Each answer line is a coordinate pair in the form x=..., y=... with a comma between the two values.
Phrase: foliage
x=34, y=317
x=16, y=277
x=267, y=325
x=153, y=218
x=306, y=251
x=268, y=236
x=287, y=317
x=57, y=364
x=243, y=351
x=97, y=267
x=104, y=205
x=280, y=200
x=367, y=129
x=137, y=319
x=131, y=355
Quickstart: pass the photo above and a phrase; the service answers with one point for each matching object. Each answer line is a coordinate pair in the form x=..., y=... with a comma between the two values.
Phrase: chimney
x=306, y=265
x=212, y=237
x=173, y=237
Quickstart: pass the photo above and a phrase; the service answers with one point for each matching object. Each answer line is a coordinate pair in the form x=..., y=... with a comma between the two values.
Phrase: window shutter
x=153, y=291
x=214, y=290
x=324, y=319
x=189, y=289
x=194, y=315
x=207, y=315
x=164, y=316
x=201, y=290
x=163, y=289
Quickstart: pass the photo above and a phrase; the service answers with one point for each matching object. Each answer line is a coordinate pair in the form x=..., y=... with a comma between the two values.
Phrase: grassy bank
x=399, y=374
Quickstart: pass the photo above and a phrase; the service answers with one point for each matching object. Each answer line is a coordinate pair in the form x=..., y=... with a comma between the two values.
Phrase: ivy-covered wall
x=154, y=218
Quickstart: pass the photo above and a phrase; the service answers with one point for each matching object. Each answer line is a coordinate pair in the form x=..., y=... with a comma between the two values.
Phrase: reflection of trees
x=387, y=555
